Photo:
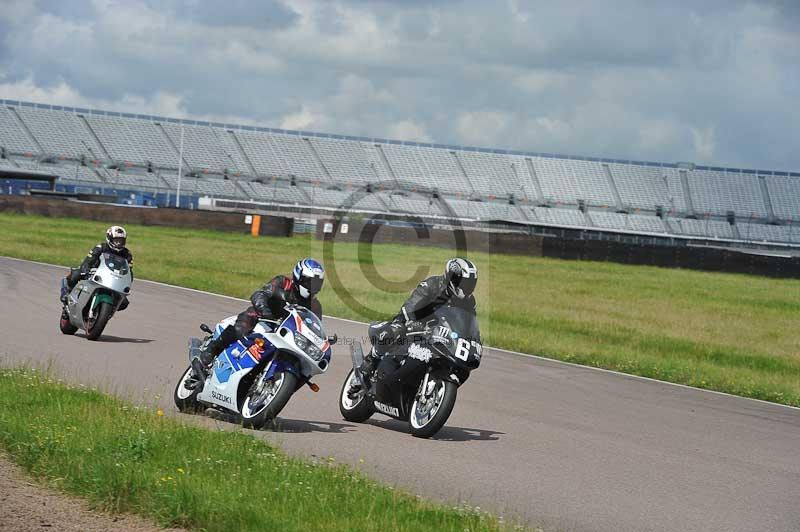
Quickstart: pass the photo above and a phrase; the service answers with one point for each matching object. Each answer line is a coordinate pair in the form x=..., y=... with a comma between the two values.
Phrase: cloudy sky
x=709, y=81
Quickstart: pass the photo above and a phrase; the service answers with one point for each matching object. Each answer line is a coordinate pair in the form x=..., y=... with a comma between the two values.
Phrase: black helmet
x=462, y=276
x=116, y=237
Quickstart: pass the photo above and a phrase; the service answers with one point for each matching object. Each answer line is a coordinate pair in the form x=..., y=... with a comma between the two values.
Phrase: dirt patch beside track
x=26, y=506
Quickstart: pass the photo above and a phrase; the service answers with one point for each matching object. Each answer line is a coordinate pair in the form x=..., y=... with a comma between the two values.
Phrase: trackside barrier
x=170, y=217
x=571, y=247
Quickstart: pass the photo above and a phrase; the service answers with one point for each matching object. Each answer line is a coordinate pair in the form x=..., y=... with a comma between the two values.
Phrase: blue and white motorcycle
x=256, y=375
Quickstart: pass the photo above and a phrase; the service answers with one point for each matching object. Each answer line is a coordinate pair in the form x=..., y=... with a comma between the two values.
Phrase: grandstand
x=110, y=151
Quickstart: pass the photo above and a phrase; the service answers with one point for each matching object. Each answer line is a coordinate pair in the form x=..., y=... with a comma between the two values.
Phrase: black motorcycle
x=418, y=382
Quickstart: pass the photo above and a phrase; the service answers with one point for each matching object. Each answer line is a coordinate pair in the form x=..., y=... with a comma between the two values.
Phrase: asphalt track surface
x=559, y=446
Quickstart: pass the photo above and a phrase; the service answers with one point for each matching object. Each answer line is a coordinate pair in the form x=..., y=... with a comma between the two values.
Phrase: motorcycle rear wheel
x=255, y=414
x=65, y=325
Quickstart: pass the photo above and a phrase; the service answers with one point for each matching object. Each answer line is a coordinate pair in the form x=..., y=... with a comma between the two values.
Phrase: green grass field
x=726, y=332
x=126, y=458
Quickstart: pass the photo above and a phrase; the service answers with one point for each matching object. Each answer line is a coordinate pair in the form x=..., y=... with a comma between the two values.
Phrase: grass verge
x=124, y=458
x=726, y=332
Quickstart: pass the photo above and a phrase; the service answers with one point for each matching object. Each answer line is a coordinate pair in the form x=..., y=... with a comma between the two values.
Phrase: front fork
x=97, y=298
x=92, y=306
x=275, y=365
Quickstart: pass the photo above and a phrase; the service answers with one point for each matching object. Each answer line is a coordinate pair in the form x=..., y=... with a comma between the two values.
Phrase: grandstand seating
x=767, y=232
x=12, y=135
x=202, y=148
x=345, y=161
x=275, y=192
x=308, y=169
x=61, y=133
x=558, y=216
x=297, y=156
x=376, y=163
x=135, y=141
x=377, y=202
x=784, y=192
x=405, y=166
x=716, y=192
x=75, y=172
x=405, y=203
x=490, y=174
x=627, y=222
x=136, y=180
x=708, y=227
x=645, y=187
x=27, y=163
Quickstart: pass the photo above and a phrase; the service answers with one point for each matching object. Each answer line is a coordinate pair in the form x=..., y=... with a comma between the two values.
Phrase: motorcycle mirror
x=333, y=339
x=206, y=329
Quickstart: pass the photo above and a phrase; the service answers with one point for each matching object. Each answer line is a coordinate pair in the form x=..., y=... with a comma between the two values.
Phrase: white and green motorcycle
x=95, y=299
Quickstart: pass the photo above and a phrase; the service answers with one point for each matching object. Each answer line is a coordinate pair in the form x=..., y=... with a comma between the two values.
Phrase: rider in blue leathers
x=301, y=288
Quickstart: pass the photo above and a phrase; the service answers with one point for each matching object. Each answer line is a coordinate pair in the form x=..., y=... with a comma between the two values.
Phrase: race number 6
x=462, y=351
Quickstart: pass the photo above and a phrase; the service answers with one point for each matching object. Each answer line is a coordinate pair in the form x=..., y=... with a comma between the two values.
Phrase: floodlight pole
x=180, y=171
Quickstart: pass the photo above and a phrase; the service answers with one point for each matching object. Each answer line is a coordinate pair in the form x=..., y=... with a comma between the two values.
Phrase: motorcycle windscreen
x=460, y=321
x=458, y=332
x=116, y=264
x=311, y=321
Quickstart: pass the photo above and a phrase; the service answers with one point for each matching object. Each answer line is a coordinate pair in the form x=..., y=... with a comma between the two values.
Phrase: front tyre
x=431, y=407
x=356, y=409
x=95, y=326
x=266, y=398
x=65, y=325
x=186, y=393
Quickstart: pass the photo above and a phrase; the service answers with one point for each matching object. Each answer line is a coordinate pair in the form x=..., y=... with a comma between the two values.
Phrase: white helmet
x=462, y=276
x=116, y=237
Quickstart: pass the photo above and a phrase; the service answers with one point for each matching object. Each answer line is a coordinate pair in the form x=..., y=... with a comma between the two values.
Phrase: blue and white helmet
x=308, y=275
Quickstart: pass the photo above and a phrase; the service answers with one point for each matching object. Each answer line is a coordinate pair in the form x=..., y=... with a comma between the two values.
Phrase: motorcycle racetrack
x=561, y=446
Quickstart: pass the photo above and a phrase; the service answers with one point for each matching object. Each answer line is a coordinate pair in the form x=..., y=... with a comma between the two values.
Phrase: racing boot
x=206, y=357
x=64, y=290
x=370, y=362
x=366, y=369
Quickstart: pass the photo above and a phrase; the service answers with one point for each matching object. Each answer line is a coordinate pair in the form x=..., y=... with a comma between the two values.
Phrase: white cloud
x=482, y=128
x=536, y=81
x=409, y=130
x=519, y=16
x=247, y=58
x=712, y=82
x=59, y=94
x=704, y=143
x=303, y=119
x=161, y=103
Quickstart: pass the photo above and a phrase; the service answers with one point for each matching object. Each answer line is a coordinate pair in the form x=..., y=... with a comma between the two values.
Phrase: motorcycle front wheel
x=95, y=326
x=431, y=407
x=266, y=398
x=356, y=409
x=186, y=396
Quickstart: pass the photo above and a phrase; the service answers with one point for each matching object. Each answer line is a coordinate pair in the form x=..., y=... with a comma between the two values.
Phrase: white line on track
x=498, y=349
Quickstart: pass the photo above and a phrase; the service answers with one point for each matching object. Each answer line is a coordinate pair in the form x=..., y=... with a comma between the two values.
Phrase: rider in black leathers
x=116, y=238
x=455, y=287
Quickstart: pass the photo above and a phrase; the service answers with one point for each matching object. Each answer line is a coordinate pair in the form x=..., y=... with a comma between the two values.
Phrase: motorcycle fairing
x=310, y=327
x=389, y=389
x=221, y=388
